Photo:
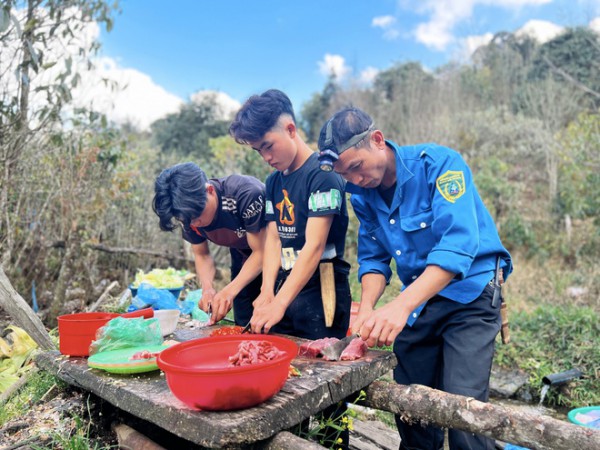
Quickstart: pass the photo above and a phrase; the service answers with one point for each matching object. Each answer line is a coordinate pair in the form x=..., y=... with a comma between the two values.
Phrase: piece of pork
x=313, y=349
x=356, y=349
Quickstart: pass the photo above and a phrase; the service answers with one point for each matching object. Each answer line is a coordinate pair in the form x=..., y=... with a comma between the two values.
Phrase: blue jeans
x=450, y=347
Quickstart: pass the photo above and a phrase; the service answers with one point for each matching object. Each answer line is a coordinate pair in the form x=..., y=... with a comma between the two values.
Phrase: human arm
x=385, y=323
x=317, y=230
x=223, y=300
x=205, y=271
x=271, y=265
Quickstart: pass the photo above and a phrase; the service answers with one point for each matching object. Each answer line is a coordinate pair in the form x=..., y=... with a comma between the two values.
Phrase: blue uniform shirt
x=436, y=218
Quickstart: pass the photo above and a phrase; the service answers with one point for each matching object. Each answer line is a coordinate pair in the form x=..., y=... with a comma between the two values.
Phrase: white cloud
x=540, y=30
x=227, y=106
x=135, y=99
x=334, y=65
x=368, y=75
x=595, y=25
x=383, y=21
x=387, y=24
x=469, y=44
x=444, y=15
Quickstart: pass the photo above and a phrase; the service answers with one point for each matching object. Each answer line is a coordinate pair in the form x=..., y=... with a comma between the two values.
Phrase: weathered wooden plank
x=148, y=397
x=373, y=435
x=287, y=441
x=424, y=404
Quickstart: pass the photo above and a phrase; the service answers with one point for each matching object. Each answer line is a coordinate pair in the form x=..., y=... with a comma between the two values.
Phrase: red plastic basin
x=77, y=331
x=199, y=374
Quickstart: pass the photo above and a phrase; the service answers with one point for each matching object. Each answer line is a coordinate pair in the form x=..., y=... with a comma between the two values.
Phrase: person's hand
x=206, y=299
x=221, y=304
x=364, y=312
x=263, y=299
x=383, y=324
x=266, y=316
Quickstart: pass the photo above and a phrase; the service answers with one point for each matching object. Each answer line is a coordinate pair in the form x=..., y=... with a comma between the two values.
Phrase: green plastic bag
x=122, y=333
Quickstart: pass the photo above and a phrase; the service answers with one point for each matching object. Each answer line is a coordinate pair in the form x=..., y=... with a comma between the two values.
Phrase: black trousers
x=305, y=317
x=450, y=347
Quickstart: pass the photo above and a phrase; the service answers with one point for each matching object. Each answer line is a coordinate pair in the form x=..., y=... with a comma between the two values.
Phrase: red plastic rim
x=167, y=358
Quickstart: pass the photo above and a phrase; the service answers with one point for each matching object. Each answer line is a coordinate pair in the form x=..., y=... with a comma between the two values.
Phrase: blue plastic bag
x=157, y=298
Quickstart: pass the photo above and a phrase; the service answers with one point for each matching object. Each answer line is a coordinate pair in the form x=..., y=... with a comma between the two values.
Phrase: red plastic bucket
x=77, y=331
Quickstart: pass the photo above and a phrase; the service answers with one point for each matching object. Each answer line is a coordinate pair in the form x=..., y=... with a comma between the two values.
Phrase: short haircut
x=260, y=114
x=345, y=124
x=180, y=194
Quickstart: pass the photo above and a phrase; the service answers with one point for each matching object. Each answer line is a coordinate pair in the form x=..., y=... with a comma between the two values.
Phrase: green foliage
x=335, y=426
x=579, y=168
x=571, y=58
x=553, y=339
x=15, y=352
x=187, y=133
x=317, y=110
x=38, y=384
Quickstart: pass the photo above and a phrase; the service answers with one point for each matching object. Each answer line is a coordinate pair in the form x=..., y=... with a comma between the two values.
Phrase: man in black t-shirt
x=306, y=225
x=227, y=211
x=306, y=219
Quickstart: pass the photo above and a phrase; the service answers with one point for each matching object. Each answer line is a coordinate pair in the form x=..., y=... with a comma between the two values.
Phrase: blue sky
x=242, y=47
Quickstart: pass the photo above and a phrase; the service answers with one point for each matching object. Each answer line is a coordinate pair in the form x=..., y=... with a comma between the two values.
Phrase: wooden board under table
x=147, y=395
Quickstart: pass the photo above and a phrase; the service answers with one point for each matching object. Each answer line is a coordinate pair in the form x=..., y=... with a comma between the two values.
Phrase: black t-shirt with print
x=306, y=192
x=241, y=201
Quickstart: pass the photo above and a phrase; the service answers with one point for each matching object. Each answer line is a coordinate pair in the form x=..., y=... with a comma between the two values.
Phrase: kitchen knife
x=334, y=351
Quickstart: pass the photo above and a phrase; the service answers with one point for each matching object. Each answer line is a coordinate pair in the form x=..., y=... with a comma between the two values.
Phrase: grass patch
x=553, y=339
x=31, y=393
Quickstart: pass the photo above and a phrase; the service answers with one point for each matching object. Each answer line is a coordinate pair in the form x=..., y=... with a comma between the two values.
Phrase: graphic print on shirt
x=286, y=210
x=451, y=185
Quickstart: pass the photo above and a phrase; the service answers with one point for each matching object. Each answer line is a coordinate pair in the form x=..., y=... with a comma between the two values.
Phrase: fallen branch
x=138, y=251
x=103, y=297
x=423, y=404
x=22, y=314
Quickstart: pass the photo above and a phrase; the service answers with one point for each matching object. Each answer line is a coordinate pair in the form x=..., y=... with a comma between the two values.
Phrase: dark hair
x=344, y=125
x=179, y=193
x=259, y=114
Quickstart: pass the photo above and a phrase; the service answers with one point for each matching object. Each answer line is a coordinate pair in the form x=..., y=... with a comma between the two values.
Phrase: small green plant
x=328, y=430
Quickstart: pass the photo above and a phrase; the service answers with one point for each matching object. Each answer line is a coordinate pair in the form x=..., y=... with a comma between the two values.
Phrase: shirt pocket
x=418, y=232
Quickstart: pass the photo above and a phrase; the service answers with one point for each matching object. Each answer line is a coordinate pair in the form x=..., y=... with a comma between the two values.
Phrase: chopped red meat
x=144, y=354
x=356, y=349
x=254, y=352
x=313, y=349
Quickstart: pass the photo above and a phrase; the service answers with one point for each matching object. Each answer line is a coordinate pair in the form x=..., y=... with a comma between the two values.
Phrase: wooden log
x=127, y=437
x=284, y=440
x=22, y=314
x=422, y=404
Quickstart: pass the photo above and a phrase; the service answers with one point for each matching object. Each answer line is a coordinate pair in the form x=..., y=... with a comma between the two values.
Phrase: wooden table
x=321, y=384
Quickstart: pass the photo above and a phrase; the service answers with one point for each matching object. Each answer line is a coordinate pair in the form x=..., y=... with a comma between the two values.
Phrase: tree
x=571, y=58
x=187, y=132
x=317, y=110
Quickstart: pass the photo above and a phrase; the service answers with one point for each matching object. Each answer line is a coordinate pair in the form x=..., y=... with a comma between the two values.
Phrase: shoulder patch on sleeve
x=269, y=207
x=451, y=185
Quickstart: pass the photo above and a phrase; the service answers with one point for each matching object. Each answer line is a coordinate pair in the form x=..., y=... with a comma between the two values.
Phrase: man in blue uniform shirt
x=418, y=205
